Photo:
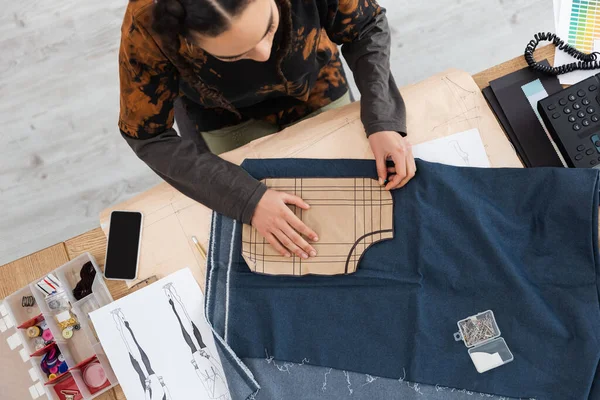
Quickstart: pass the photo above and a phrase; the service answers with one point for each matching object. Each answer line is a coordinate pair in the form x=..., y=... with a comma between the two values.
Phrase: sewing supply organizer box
x=48, y=343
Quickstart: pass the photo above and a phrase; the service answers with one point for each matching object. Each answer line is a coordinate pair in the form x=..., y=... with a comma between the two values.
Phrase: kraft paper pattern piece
x=350, y=214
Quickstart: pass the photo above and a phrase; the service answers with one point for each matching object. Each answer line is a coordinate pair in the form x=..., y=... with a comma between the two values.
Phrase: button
x=592, y=88
x=597, y=143
x=571, y=97
x=567, y=110
x=576, y=106
x=555, y=115
x=580, y=93
x=593, y=162
x=578, y=157
x=576, y=127
x=580, y=147
x=581, y=114
x=585, y=102
x=585, y=122
x=571, y=118
x=562, y=102
x=67, y=333
x=591, y=110
x=589, y=152
x=551, y=107
x=595, y=118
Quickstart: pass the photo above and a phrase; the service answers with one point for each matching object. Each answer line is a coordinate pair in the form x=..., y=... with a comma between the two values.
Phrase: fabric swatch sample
x=348, y=214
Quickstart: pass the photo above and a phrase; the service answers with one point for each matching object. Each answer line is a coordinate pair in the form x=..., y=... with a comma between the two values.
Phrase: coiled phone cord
x=586, y=61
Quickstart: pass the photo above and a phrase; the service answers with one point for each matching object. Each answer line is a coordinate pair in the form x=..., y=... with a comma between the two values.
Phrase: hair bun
x=169, y=17
x=174, y=8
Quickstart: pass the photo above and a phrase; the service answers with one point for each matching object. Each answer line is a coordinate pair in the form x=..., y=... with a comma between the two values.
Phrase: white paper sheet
x=180, y=366
x=463, y=149
x=585, y=37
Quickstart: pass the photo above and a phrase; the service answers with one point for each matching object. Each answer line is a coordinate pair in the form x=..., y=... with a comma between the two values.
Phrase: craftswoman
x=245, y=69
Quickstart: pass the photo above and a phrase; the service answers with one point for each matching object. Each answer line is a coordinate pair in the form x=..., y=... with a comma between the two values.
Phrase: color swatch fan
x=579, y=26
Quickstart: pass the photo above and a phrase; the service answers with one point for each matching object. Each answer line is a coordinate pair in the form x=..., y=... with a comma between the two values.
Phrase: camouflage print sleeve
x=148, y=83
x=361, y=27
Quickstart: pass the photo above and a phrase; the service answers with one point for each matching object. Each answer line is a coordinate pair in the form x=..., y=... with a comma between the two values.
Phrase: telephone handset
x=584, y=61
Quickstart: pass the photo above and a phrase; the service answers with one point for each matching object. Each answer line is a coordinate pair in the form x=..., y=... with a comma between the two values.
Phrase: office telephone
x=572, y=116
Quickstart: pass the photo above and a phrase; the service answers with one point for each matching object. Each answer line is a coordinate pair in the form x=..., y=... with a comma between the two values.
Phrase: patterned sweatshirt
x=150, y=83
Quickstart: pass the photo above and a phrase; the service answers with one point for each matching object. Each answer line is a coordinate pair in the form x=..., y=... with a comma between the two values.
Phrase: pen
x=199, y=247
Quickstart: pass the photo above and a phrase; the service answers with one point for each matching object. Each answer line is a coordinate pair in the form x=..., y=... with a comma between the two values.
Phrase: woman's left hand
x=391, y=145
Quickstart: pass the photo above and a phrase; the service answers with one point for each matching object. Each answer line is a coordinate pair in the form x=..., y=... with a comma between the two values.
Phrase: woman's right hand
x=281, y=227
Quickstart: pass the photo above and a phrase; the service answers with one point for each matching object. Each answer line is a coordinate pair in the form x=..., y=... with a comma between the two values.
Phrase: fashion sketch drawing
x=207, y=367
x=153, y=385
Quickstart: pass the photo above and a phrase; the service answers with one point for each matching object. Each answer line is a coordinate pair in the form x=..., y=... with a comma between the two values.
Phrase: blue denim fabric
x=284, y=380
x=522, y=243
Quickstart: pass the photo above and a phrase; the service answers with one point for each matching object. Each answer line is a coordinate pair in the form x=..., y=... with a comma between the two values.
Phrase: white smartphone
x=123, y=248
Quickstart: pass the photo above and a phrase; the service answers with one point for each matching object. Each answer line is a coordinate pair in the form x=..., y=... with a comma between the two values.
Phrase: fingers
x=404, y=168
x=304, y=249
x=275, y=243
x=301, y=227
x=285, y=240
x=295, y=200
x=282, y=228
x=400, y=165
x=381, y=168
x=411, y=168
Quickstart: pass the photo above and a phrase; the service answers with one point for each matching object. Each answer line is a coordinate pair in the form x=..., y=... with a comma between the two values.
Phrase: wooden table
x=19, y=273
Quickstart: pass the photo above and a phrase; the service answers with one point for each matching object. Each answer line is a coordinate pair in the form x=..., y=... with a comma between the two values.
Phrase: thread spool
x=34, y=331
x=63, y=367
x=50, y=363
x=39, y=343
x=47, y=336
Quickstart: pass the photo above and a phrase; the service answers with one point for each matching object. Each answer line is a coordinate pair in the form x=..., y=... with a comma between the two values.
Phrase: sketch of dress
x=461, y=153
x=207, y=367
x=154, y=386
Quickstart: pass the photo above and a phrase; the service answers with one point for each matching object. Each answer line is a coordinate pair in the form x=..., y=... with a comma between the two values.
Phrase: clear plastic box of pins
x=481, y=335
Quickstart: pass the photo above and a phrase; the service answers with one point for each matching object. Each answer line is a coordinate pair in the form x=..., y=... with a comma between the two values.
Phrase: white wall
x=62, y=159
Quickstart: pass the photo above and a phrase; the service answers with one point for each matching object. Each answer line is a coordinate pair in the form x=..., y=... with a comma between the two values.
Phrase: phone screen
x=123, y=245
